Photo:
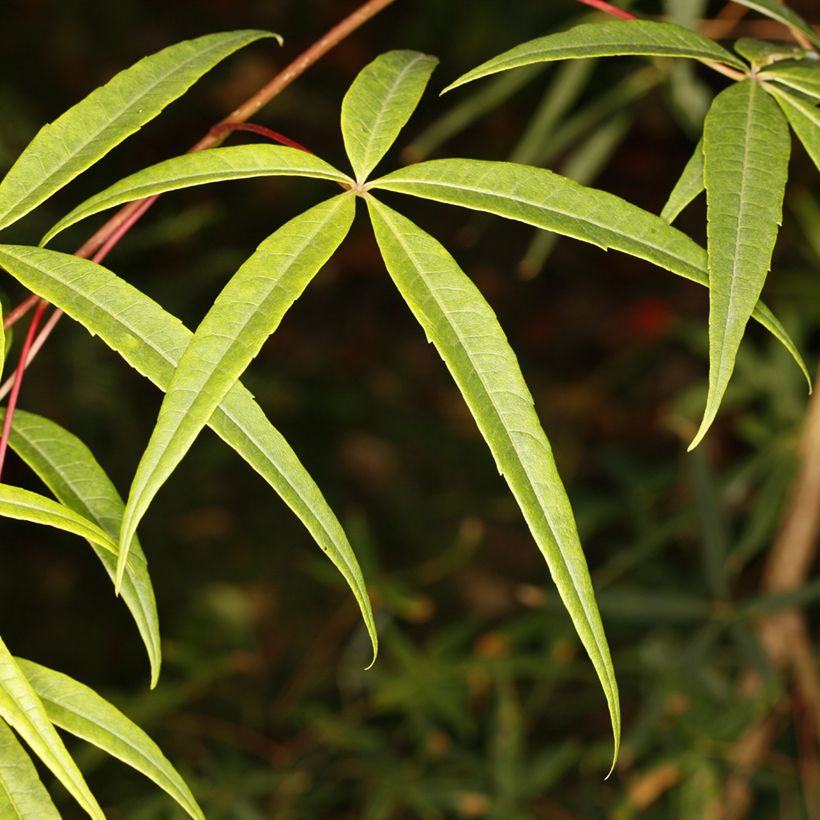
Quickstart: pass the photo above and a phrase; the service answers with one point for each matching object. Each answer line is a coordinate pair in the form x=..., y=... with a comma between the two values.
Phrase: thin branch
x=17, y=313
x=602, y=5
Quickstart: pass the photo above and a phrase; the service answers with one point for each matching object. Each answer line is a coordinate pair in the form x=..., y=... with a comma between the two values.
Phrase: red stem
x=259, y=129
x=602, y=5
x=15, y=314
x=18, y=378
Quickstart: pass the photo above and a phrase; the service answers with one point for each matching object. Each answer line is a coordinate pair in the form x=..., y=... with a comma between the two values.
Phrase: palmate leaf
x=761, y=53
x=687, y=188
x=244, y=314
x=746, y=146
x=608, y=39
x=539, y=197
x=82, y=712
x=804, y=118
x=378, y=104
x=21, y=709
x=465, y=331
x=87, y=132
x=201, y=168
x=22, y=794
x=70, y=471
x=803, y=77
x=782, y=13
x=152, y=341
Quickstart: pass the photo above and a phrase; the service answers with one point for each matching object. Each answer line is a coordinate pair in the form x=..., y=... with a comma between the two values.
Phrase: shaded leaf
x=803, y=77
x=607, y=39
x=804, y=118
x=22, y=710
x=201, y=168
x=465, y=331
x=70, y=471
x=746, y=148
x=244, y=314
x=547, y=200
x=781, y=12
x=87, y=132
x=82, y=712
x=152, y=341
x=378, y=104
x=22, y=794
x=687, y=188
x=761, y=53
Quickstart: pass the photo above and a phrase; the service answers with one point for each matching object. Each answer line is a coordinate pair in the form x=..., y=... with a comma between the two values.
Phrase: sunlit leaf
x=22, y=794
x=87, y=132
x=803, y=77
x=782, y=13
x=539, y=197
x=201, y=168
x=607, y=39
x=21, y=709
x=71, y=472
x=152, y=341
x=378, y=104
x=465, y=331
x=746, y=146
x=82, y=712
x=687, y=188
x=804, y=118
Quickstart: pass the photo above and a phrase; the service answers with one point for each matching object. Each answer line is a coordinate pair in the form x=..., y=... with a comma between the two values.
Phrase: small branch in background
x=260, y=129
x=725, y=22
x=15, y=314
x=602, y=5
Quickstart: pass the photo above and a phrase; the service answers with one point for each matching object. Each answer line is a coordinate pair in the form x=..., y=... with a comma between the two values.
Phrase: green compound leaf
x=746, y=146
x=761, y=53
x=803, y=77
x=609, y=39
x=82, y=712
x=546, y=200
x=21, y=709
x=25, y=505
x=244, y=314
x=465, y=331
x=152, y=341
x=22, y=794
x=687, y=187
x=378, y=104
x=782, y=13
x=804, y=118
x=68, y=468
x=201, y=168
x=87, y=132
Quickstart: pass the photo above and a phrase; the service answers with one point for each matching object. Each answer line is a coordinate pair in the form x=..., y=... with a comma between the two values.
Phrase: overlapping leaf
x=247, y=311
x=152, y=341
x=783, y=14
x=539, y=197
x=746, y=146
x=201, y=168
x=76, y=140
x=465, y=331
x=804, y=118
x=21, y=709
x=803, y=77
x=378, y=104
x=688, y=186
x=608, y=39
x=22, y=794
x=82, y=712
x=71, y=472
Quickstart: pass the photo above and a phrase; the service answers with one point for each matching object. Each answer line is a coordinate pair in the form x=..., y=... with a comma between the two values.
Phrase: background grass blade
x=687, y=188
x=804, y=118
x=68, y=468
x=746, y=146
x=781, y=12
x=608, y=39
x=201, y=168
x=152, y=341
x=22, y=794
x=547, y=200
x=82, y=712
x=465, y=331
x=87, y=132
x=22, y=710
x=378, y=104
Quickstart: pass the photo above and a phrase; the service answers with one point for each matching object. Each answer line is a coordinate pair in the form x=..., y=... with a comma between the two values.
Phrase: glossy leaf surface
x=462, y=326
x=87, y=132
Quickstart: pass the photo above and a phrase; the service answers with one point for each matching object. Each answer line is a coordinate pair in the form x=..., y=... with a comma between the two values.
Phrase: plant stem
x=602, y=5
x=15, y=314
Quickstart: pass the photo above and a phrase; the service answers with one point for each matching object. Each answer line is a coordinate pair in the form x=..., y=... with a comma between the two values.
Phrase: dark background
x=482, y=703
